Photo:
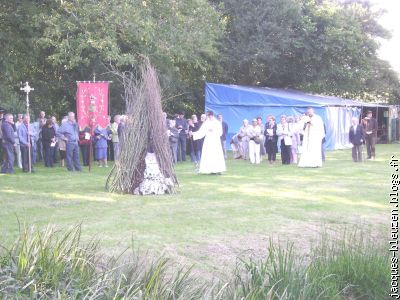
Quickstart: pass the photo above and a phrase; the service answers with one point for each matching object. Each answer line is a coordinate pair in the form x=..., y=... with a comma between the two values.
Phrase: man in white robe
x=314, y=132
x=212, y=157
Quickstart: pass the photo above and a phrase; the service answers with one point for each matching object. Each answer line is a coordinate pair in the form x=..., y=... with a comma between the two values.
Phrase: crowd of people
x=299, y=139
x=24, y=143
x=298, y=136
x=180, y=132
x=44, y=139
x=291, y=136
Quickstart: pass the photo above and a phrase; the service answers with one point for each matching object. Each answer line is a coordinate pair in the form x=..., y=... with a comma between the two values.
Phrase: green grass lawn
x=213, y=218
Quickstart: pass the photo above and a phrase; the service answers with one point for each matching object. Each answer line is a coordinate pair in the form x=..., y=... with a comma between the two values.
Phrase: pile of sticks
x=144, y=132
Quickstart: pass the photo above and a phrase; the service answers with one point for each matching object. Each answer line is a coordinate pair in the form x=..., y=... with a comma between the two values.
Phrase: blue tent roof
x=225, y=94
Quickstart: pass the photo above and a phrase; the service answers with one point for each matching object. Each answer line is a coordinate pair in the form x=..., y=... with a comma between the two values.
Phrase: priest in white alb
x=212, y=157
x=314, y=132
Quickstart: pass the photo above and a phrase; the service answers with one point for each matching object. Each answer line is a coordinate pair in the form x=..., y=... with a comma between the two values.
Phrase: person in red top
x=84, y=144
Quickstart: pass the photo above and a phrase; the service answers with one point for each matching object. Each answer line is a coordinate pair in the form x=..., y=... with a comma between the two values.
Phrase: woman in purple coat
x=101, y=136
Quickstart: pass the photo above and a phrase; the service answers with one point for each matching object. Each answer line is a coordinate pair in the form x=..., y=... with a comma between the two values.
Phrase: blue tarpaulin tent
x=236, y=103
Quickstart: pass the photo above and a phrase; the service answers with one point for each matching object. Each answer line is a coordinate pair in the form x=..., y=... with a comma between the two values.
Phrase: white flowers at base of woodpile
x=154, y=183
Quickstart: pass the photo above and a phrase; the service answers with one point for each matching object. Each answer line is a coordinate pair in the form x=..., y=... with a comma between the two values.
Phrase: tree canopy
x=319, y=46
x=328, y=47
x=55, y=43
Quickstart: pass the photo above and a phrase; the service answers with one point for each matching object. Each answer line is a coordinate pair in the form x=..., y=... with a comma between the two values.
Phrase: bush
x=351, y=267
x=53, y=264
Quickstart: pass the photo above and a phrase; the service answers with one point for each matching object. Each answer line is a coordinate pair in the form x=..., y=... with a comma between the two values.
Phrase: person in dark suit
x=356, y=137
x=197, y=143
x=84, y=143
x=271, y=139
x=48, y=142
x=182, y=125
x=224, y=133
x=8, y=144
x=371, y=128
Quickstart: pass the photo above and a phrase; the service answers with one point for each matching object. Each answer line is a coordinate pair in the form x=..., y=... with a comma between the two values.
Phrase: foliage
x=328, y=47
x=23, y=60
x=52, y=264
x=55, y=43
x=357, y=262
x=349, y=266
x=10, y=101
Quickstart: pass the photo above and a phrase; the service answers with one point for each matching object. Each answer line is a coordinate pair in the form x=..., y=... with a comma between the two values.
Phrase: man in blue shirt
x=8, y=144
x=26, y=143
x=35, y=132
x=69, y=132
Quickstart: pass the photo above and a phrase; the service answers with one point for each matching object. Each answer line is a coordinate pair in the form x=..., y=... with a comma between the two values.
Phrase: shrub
x=350, y=267
x=52, y=264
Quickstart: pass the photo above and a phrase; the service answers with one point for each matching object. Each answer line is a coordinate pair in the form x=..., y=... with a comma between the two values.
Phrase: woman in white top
x=254, y=133
x=284, y=139
x=294, y=129
x=244, y=139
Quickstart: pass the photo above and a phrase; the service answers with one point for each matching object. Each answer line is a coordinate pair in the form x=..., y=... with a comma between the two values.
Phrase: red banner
x=92, y=104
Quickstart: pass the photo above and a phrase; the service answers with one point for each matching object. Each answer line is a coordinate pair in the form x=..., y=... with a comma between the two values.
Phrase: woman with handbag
x=49, y=142
x=244, y=139
x=254, y=133
x=101, y=136
x=285, y=140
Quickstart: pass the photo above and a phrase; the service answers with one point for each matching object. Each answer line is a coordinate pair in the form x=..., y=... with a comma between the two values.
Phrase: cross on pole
x=27, y=89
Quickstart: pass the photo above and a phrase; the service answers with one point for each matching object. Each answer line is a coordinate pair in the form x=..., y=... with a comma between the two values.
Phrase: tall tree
x=58, y=42
x=321, y=46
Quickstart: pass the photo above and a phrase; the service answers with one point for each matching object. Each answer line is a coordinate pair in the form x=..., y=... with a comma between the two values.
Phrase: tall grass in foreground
x=352, y=266
x=51, y=264
x=57, y=265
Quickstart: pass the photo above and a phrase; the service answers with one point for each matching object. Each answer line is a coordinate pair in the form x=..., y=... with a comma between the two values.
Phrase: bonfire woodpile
x=145, y=163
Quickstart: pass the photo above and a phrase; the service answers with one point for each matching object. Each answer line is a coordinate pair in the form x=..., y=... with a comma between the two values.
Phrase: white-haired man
x=314, y=132
x=69, y=132
x=356, y=137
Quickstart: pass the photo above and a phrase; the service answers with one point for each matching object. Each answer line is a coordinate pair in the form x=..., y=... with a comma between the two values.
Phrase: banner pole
x=90, y=113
